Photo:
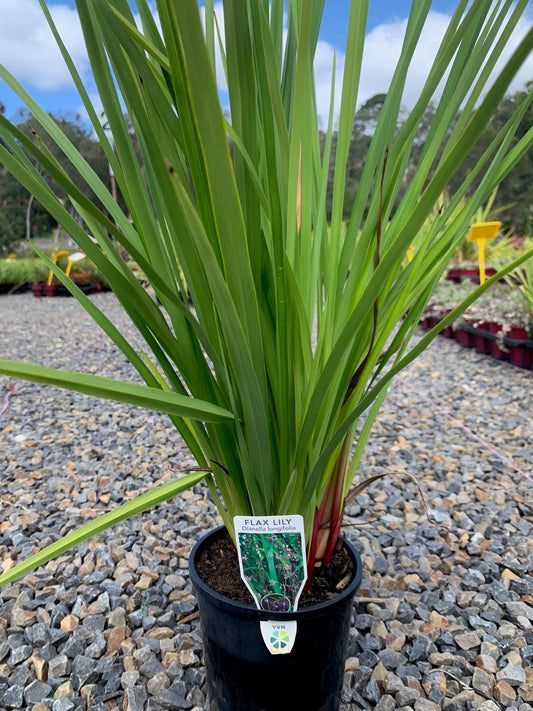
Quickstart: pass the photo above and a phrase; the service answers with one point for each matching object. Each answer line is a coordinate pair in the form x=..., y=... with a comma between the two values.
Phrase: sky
x=28, y=50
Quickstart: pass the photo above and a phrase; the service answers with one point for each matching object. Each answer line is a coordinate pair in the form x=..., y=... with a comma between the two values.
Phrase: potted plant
x=16, y=274
x=83, y=273
x=514, y=327
x=499, y=323
x=12, y=276
x=289, y=328
x=447, y=295
x=480, y=320
x=515, y=317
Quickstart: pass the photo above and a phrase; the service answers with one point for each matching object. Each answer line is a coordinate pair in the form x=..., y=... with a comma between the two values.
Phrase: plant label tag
x=278, y=636
x=272, y=559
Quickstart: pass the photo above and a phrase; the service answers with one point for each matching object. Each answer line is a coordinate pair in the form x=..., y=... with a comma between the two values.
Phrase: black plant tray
x=519, y=352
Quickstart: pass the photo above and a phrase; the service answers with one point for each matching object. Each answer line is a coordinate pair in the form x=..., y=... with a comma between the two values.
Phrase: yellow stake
x=55, y=257
x=480, y=233
x=73, y=258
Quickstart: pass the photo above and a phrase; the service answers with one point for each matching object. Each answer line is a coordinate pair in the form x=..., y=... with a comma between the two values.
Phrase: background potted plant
x=498, y=323
x=83, y=273
x=448, y=294
x=19, y=273
x=499, y=313
x=293, y=327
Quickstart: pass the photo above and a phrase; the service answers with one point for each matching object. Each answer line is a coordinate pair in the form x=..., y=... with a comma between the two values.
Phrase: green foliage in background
x=16, y=272
x=20, y=216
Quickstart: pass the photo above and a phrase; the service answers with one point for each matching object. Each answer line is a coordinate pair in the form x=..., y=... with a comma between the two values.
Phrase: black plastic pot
x=241, y=673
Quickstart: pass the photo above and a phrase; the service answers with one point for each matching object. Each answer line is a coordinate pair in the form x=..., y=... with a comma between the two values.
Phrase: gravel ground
x=443, y=617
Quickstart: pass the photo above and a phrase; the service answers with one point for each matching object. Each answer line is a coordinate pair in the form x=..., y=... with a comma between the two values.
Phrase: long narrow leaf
x=131, y=393
x=141, y=503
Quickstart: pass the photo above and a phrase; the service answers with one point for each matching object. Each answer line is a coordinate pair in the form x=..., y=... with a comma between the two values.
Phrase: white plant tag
x=278, y=636
x=273, y=566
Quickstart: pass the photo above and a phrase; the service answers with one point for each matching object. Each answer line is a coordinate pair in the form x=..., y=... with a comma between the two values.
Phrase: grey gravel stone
x=392, y=683
x=85, y=670
x=489, y=706
x=513, y=674
x=371, y=691
x=364, y=622
x=361, y=675
x=380, y=565
x=426, y=705
x=406, y=696
x=21, y=675
x=454, y=706
x=59, y=666
x=135, y=699
x=389, y=658
x=63, y=704
x=174, y=699
x=483, y=681
x=36, y=691
x=129, y=679
x=74, y=647
x=13, y=697
x=418, y=652
x=386, y=703
x=152, y=667
x=519, y=609
x=20, y=654
x=38, y=635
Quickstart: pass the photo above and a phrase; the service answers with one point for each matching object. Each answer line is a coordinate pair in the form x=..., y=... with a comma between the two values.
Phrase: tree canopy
x=20, y=215
x=515, y=190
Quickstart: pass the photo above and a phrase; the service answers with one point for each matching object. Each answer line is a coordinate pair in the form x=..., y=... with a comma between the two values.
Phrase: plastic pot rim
x=246, y=610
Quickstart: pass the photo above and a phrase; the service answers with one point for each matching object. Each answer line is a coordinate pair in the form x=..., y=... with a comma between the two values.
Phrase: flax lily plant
x=274, y=360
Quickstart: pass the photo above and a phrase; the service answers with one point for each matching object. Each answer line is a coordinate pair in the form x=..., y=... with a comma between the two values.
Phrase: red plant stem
x=320, y=531
x=337, y=508
x=324, y=517
x=328, y=516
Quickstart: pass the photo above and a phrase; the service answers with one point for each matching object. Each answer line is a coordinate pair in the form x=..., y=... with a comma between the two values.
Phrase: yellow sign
x=484, y=230
x=480, y=233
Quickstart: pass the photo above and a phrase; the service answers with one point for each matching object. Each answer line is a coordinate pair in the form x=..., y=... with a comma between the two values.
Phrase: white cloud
x=325, y=56
x=28, y=48
x=381, y=53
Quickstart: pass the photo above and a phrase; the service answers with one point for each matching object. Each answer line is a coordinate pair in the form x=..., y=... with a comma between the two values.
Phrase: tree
x=516, y=190
x=22, y=216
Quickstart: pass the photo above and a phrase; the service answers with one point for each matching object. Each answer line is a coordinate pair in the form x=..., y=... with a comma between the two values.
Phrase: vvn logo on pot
x=279, y=639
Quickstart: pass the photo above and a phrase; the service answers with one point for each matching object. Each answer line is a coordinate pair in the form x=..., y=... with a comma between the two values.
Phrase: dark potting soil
x=218, y=567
